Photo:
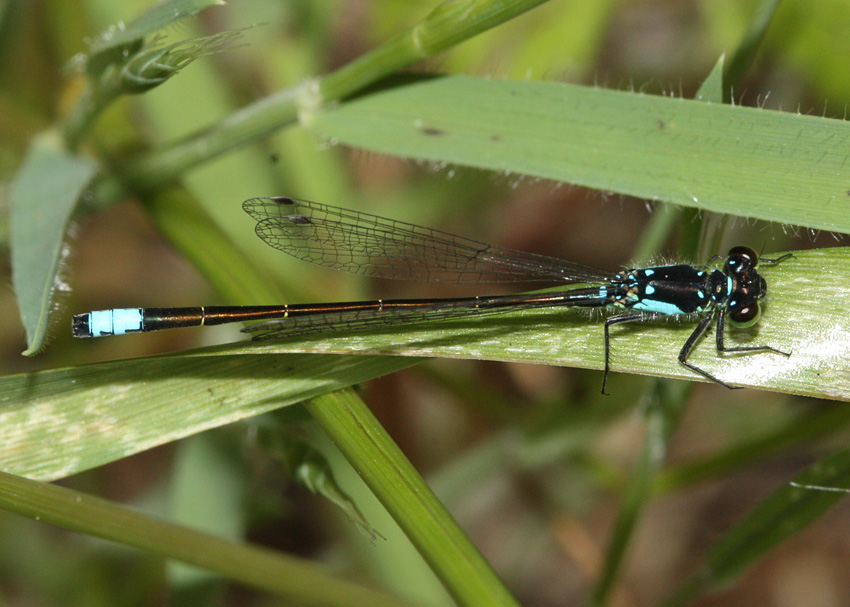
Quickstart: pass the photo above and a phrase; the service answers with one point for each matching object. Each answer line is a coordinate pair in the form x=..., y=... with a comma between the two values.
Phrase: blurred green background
x=528, y=458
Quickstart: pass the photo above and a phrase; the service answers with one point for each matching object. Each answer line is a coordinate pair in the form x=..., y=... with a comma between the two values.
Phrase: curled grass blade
x=44, y=194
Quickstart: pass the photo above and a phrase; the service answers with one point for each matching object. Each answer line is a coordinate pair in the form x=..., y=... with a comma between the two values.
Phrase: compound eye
x=745, y=316
x=746, y=252
x=740, y=260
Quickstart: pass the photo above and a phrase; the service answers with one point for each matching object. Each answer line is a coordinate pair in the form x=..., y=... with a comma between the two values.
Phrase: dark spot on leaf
x=432, y=131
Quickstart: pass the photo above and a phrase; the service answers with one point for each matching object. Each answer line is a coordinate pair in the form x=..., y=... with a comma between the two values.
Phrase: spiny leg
x=772, y=262
x=721, y=347
x=701, y=328
x=613, y=320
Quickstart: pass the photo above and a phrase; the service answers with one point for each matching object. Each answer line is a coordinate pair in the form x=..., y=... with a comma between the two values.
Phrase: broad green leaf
x=64, y=421
x=744, y=161
x=43, y=197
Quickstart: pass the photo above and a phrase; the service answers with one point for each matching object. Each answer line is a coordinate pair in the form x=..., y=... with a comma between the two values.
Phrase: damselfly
x=374, y=246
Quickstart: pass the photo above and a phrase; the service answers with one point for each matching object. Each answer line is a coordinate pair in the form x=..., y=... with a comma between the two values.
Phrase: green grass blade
x=634, y=500
x=743, y=161
x=751, y=43
x=711, y=89
x=664, y=410
x=400, y=488
x=64, y=421
x=289, y=577
x=451, y=22
x=806, y=429
x=784, y=514
x=43, y=197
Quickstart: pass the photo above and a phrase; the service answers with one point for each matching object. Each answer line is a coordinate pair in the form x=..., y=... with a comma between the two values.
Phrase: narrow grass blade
x=806, y=429
x=291, y=578
x=664, y=410
x=782, y=515
x=711, y=89
x=403, y=492
x=450, y=23
x=750, y=45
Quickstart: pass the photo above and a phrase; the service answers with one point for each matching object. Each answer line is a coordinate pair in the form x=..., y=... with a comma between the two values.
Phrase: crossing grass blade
x=784, y=514
x=775, y=166
x=294, y=579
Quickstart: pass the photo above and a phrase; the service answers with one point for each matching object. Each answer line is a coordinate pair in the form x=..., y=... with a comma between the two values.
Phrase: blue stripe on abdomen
x=115, y=322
